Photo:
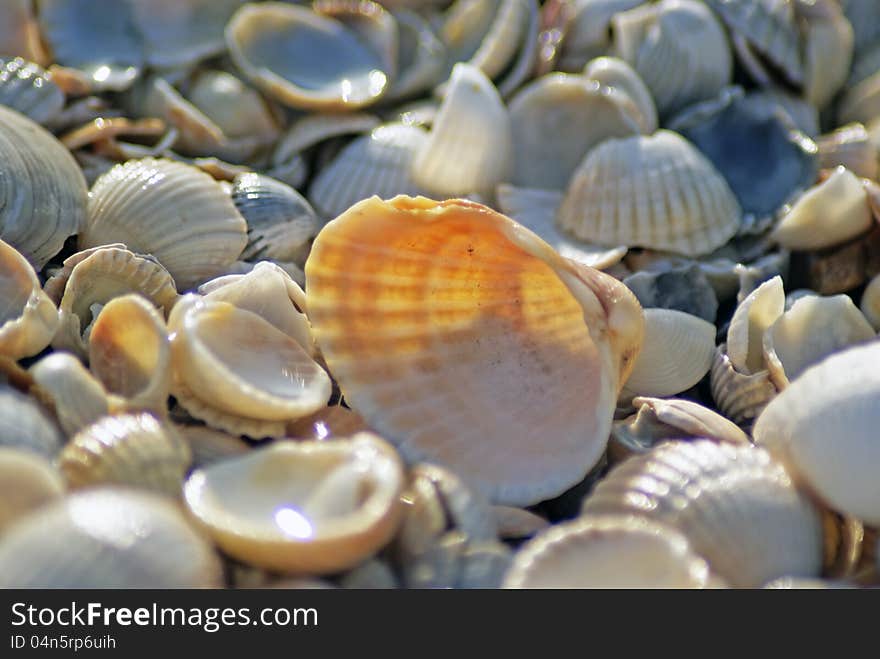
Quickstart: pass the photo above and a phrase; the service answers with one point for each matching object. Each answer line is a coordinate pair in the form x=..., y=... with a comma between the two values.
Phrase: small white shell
x=618, y=74
x=27, y=482
x=756, y=313
x=78, y=398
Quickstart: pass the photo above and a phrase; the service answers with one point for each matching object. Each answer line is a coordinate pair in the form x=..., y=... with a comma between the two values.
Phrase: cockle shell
x=28, y=319
x=545, y=155
x=753, y=316
x=828, y=214
x=42, y=190
x=27, y=88
x=238, y=372
x=27, y=482
x=739, y=396
x=429, y=314
x=469, y=148
x=108, y=538
x=864, y=15
x=814, y=327
x=736, y=505
x=307, y=507
x=608, y=551
x=824, y=427
x=617, y=74
x=802, y=114
x=272, y=43
x=676, y=353
x=650, y=191
x=77, y=397
x=170, y=210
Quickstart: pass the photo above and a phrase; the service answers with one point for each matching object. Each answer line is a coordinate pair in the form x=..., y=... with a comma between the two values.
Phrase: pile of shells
x=446, y=294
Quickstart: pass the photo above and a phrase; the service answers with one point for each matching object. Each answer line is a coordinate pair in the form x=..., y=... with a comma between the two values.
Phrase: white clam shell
x=824, y=426
x=757, y=312
x=170, y=210
x=78, y=398
x=650, y=191
x=27, y=482
x=618, y=74
x=736, y=505
x=677, y=352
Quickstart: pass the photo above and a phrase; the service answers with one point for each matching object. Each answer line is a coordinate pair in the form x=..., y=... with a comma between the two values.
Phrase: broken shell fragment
x=304, y=507
x=27, y=482
x=753, y=316
x=429, y=314
x=739, y=396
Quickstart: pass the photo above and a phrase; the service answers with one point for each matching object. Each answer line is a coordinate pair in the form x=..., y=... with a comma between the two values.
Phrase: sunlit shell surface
x=650, y=191
x=757, y=312
x=608, y=552
x=78, y=398
x=618, y=74
x=108, y=538
x=302, y=507
x=824, y=426
x=27, y=482
x=467, y=341
x=27, y=88
x=736, y=505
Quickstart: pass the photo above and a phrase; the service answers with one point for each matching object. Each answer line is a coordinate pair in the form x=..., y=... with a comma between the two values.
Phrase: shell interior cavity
x=448, y=326
x=753, y=316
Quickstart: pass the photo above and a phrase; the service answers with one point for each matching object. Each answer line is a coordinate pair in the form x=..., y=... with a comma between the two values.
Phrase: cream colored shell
x=27, y=482
x=739, y=396
x=77, y=397
x=617, y=74
x=753, y=316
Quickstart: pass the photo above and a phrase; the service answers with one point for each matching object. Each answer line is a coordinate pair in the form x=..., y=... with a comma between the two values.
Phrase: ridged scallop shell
x=676, y=353
x=650, y=191
x=272, y=44
x=130, y=354
x=77, y=397
x=237, y=109
x=108, y=538
x=379, y=163
x=29, y=319
x=92, y=278
x=814, y=328
x=617, y=74
x=131, y=450
x=20, y=33
x=678, y=47
x=545, y=156
x=753, y=316
x=25, y=425
x=42, y=190
x=308, y=508
x=236, y=371
x=27, y=88
x=608, y=552
x=173, y=211
x=469, y=148
x=824, y=427
x=739, y=396
x=429, y=314
x=736, y=505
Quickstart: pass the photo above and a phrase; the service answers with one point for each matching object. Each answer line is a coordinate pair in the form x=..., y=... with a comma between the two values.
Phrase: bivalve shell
x=27, y=482
x=27, y=88
x=24, y=425
x=617, y=74
x=76, y=396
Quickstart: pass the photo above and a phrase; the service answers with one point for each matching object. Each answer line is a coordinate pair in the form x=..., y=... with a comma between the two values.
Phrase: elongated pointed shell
x=76, y=396
x=608, y=552
x=108, y=538
x=464, y=338
x=27, y=482
x=824, y=427
x=306, y=507
x=42, y=190
x=173, y=211
x=736, y=505
x=657, y=192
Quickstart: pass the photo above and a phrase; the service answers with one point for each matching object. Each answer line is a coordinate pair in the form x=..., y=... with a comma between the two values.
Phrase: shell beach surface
x=440, y=294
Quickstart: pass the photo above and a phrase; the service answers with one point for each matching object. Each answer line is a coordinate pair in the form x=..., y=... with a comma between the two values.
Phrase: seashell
x=159, y=207
x=466, y=510
x=208, y=445
x=20, y=33
x=105, y=130
x=683, y=288
x=768, y=26
x=425, y=367
x=270, y=43
x=292, y=270
x=660, y=419
x=736, y=505
x=678, y=47
x=131, y=450
x=25, y=426
x=29, y=319
x=650, y=191
x=617, y=74
x=828, y=47
x=483, y=565
x=281, y=223
x=42, y=190
x=269, y=292
x=864, y=15
x=108, y=538
x=837, y=269
x=235, y=107
x=93, y=277
x=814, y=328
x=799, y=112
x=130, y=354
x=309, y=507
x=77, y=397
x=27, y=88
x=373, y=574
x=313, y=129
x=545, y=156
x=676, y=353
x=588, y=32
x=763, y=269
x=379, y=163
x=469, y=148
x=761, y=156
x=421, y=56
x=870, y=302
x=830, y=213
x=750, y=322
x=739, y=396
x=861, y=103
x=822, y=427
x=521, y=69
x=27, y=482
x=536, y=208
x=105, y=46
x=236, y=371
x=851, y=147
x=328, y=422
x=517, y=523
x=608, y=552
